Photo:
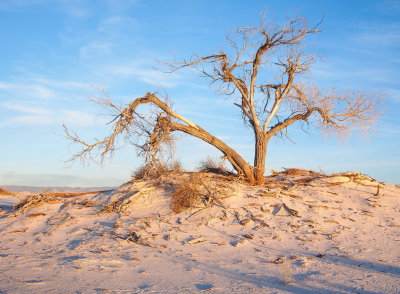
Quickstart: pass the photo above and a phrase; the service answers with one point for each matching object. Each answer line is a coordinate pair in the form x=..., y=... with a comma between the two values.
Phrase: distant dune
x=34, y=189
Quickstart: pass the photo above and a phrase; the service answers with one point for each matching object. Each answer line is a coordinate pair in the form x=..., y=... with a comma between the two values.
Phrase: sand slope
x=298, y=234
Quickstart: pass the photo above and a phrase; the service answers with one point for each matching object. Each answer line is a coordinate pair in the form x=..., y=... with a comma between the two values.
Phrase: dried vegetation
x=32, y=201
x=155, y=170
x=5, y=191
x=212, y=166
x=35, y=200
x=186, y=194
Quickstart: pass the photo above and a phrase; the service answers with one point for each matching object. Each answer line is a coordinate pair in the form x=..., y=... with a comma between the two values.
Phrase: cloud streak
x=26, y=90
x=74, y=118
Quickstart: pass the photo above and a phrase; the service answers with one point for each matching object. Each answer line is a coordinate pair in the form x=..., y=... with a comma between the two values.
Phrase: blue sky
x=57, y=53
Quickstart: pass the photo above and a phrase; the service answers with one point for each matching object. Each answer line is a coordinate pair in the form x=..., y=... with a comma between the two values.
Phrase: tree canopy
x=262, y=72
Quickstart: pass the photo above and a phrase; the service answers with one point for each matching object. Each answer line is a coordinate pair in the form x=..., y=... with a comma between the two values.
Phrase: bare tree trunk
x=239, y=164
x=255, y=48
x=260, y=154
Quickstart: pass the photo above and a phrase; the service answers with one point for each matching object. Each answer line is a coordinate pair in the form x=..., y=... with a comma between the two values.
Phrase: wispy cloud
x=56, y=179
x=26, y=90
x=393, y=95
x=74, y=118
x=120, y=5
x=34, y=88
x=7, y=4
x=117, y=23
x=39, y=101
x=24, y=108
x=29, y=120
x=380, y=35
x=96, y=49
x=74, y=8
x=144, y=73
x=63, y=84
x=388, y=6
x=337, y=69
x=81, y=118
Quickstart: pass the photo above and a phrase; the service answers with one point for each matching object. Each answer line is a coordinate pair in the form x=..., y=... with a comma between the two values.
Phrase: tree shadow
x=364, y=265
x=298, y=286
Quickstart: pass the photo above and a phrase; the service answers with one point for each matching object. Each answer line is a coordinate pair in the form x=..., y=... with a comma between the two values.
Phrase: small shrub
x=210, y=165
x=186, y=194
x=156, y=170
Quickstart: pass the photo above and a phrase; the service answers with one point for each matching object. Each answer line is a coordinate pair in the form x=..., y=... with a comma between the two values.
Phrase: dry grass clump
x=295, y=172
x=354, y=176
x=122, y=204
x=71, y=194
x=186, y=194
x=32, y=201
x=156, y=170
x=4, y=191
x=210, y=165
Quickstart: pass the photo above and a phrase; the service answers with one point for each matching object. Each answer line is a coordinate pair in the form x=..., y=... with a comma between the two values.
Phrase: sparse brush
x=210, y=165
x=5, y=192
x=32, y=201
x=298, y=172
x=186, y=194
x=156, y=170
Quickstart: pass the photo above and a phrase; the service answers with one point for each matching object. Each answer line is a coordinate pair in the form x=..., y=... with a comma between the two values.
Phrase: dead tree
x=262, y=70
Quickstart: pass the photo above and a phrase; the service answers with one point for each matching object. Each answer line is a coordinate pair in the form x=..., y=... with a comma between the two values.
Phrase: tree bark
x=260, y=154
x=239, y=164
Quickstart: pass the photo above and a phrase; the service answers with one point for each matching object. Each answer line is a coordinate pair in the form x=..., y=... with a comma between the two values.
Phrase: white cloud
x=30, y=120
x=25, y=108
x=378, y=34
x=80, y=118
x=95, y=49
x=120, y=5
x=8, y=4
x=74, y=8
x=388, y=6
x=73, y=118
x=62, y=84
x=379, y=38
x=4, y=86
x=348, y=73
x=392, y=95
x=147, y=75
x=39, y=91
x=27, y=90
x=117, y=22
x=42, y=89
x=38, y=101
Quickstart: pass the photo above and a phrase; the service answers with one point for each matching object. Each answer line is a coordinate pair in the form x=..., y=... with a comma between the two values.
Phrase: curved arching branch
x=167, y=122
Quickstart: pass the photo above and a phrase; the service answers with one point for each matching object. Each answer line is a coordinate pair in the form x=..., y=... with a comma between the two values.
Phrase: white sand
x=344, y=239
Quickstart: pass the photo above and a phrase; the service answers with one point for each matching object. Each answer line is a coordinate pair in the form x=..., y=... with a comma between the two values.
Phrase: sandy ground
x=327, y=235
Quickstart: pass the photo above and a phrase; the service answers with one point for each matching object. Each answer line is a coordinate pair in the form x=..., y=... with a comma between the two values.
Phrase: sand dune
x=297, y=234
